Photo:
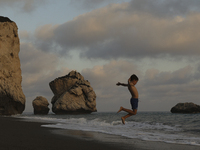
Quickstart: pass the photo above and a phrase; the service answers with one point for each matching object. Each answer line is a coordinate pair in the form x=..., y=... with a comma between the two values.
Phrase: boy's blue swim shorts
x=134, y=103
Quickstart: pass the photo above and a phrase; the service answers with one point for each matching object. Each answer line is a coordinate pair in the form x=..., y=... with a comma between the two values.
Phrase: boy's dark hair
x=134, y=77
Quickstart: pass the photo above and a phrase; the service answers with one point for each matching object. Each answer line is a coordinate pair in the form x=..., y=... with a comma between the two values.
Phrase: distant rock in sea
x=12, y=98
x=72, y=95
x=186, y=108
x=40, y=105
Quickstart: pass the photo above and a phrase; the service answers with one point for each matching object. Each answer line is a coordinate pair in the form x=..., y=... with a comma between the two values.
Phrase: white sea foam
x=150, y=131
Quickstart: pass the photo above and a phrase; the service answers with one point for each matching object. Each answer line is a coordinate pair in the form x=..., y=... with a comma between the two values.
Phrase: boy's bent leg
x=132, y=112
x=120, y=109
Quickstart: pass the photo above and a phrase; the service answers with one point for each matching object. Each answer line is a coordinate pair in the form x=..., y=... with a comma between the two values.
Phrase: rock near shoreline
x=72, y=95
x=12, y=98
x=40, y=105
x=186, y=108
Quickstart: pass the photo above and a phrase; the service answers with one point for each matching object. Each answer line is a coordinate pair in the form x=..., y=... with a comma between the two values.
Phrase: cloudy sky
x=107, y=41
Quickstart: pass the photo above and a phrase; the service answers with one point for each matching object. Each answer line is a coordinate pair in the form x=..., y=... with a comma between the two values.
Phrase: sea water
x=149, y=126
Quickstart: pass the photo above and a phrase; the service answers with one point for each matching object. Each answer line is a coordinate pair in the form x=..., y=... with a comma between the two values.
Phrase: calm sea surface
x=149, y=126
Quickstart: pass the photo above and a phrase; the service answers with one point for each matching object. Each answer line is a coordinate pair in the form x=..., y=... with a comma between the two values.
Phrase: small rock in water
x=40, y=105
x=186, y=108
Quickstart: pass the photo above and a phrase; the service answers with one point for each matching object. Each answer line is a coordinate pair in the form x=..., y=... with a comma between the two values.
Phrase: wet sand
x=20, y=135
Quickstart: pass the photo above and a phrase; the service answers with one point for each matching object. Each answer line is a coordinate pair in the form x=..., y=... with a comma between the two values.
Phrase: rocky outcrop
x=186, y=108
x=40, y=105
x=12, y=99
x=72, y=95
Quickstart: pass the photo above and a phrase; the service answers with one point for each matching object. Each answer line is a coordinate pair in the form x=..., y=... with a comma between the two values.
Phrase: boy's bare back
x=132, y=89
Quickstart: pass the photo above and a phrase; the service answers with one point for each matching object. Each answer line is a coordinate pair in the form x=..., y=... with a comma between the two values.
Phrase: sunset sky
x=107, y=41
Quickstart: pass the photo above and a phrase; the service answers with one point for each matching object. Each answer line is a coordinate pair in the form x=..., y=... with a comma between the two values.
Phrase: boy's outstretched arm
x=122, y=84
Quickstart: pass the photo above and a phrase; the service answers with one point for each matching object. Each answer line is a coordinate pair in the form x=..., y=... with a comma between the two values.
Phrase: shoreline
x=17, y=134
x=129, y=143
x=20, y=134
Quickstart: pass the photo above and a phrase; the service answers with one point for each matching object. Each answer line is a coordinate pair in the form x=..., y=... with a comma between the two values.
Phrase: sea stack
x=189, y=108
x=12, y=99
x=40, y=105
x=72, y=95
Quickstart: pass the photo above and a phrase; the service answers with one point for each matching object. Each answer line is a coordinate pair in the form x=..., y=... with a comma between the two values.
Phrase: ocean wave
x=144, y=130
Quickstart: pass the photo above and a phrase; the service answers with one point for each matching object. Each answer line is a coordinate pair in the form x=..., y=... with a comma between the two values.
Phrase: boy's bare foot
x=123, y=120
x=120, y=109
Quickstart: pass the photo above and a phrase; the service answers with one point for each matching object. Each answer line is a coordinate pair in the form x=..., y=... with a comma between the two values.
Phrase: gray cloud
x=34, y=60
x=165, y=8
x=25, y=5
x=90, y=4
x=114, y=32
x=168, y=88
x=181, y=76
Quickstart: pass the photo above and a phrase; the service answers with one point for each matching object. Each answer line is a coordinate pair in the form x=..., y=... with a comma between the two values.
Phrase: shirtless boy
x=132, y=81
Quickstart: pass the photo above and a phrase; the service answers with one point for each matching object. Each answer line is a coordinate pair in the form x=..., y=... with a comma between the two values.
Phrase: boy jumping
x=132, y=81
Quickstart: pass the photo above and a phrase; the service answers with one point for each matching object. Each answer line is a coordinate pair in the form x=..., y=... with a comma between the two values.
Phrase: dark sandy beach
x=22, y=135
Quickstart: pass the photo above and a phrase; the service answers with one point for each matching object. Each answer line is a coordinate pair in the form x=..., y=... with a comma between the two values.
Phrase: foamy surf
x=144, y=126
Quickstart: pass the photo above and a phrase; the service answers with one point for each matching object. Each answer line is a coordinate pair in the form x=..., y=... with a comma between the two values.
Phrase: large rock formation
x=40, y=105
x=186, y=108
x=12, y=99
x=72, y=95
